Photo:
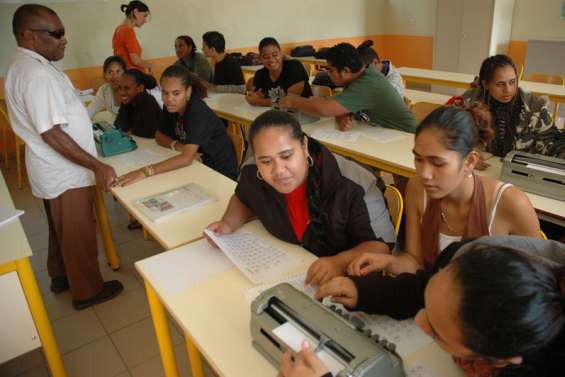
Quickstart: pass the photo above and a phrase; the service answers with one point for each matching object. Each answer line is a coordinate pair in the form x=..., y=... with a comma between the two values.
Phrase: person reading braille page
x=496, y=304
x=107, y=96
x=189, y=126
x=522, y=121
x=278, y=77
x=139, y=112
x=367, y=94
x=304, y=194
x=446, y=201
x=60, y=154
x=124, y=40
x=192, y=60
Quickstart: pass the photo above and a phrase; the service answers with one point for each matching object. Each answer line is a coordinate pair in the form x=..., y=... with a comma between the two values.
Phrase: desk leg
x=162, y=333
x=105, y=230
x=194, y=357
x=39, y=314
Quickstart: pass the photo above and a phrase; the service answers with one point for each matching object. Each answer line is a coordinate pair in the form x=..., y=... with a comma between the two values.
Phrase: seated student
x=189, y=126
x=194, y=61
x=446, y=201
x=139, y=113
x=305, y=195
x=366, y=92
x=370, y=56
x=107, y=96
x=521, y=120
x=279, y=76
x=496, y=304
x=228, y=76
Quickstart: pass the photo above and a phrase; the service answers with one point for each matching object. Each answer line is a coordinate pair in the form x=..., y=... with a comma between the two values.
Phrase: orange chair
x=422, y=109
x=395, y=205
x=17, y=142
x=548, y=79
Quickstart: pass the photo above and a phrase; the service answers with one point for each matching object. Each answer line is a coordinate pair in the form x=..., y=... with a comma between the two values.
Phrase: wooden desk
x=186, y=226
x=317, y=63
x=416, y=96
x=251, y=69
x=214, y=314
x=555, y=93
x=14, y=257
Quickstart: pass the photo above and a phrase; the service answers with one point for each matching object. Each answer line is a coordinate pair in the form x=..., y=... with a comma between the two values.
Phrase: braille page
x=258, y=261
x=322, y=134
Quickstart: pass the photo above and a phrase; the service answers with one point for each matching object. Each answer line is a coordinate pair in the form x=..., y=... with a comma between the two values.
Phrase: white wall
x=538, y=19
x=90, y=24
x=410, y=17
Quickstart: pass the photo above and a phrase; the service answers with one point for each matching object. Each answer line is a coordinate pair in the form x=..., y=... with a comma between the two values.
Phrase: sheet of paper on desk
x=405, y=334
x=383, y=135
x=257, y=260
x=7, y=215
x=351, y=136
x=297, y=281
x=293, y=337
x=185, y=268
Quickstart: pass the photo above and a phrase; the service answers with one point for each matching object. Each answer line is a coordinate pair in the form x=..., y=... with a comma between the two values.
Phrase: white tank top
x=445, y=240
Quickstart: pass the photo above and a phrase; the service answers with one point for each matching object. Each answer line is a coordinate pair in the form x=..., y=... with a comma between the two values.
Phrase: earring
x=310, y=161
x=470, y=175
x=259, y=177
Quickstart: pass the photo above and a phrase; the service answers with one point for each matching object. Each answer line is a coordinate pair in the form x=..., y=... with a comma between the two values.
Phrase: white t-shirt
x=40, y=96
x=104, y=99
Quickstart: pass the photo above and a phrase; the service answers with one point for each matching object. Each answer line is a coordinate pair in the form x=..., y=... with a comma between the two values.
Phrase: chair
x=395, y=205
x=548, y=79
x=542, y=234
x=422, y=109
x=321, y=91
x=17, y=142
x=5, y=127
x=307, y=68
x=520, y=70
x=236, y=136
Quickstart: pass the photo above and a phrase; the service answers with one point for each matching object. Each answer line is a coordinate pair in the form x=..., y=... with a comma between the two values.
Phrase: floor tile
x=126, y=275
x=40, y=371
x=58, y=306
x=137, y=249
x=77, y=330
x=124, y=374
x=22, y=363
x=129, y=307
x=38, y=260
x=96, y=359
x=38, y=240
x=137, y=343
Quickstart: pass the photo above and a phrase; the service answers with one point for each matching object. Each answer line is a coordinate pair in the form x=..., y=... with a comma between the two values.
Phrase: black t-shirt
x=228, y=72
x=199, y=125
x=292, y=72
x=141, y=116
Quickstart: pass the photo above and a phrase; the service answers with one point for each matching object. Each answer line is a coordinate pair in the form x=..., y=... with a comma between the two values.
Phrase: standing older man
x=60, y=154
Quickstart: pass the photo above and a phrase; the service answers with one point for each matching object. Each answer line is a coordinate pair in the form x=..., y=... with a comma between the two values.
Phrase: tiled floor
x=113, y=339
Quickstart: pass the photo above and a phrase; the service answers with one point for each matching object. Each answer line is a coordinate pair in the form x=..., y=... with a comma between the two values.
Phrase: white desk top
x=462, y=80
x=310, y=59
x=186, y=226
x=230, y=105
x=12, y=237
x=419, y=96
x=215, y=314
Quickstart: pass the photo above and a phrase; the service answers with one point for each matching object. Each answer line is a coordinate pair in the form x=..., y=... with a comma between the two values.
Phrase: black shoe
x=59, y=284
x=111, y=289
x=134, y=224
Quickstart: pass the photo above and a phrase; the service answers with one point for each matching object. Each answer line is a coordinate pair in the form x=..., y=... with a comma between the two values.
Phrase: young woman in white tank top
x=445, y=159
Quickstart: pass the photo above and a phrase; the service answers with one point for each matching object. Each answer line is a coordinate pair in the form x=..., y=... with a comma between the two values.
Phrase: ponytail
x=141, y=78
x=368, y=54
x=463, y=129
x=188, y=79
x=134, y=5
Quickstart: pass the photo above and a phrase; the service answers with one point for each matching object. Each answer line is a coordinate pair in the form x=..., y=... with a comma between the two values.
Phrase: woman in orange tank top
x=124, y=41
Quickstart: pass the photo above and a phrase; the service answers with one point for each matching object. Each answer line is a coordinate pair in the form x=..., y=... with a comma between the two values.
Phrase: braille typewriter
x=110, y=141
x=339, y=339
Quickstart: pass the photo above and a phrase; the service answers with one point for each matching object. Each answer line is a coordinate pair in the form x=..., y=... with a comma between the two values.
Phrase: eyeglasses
x=57, y=34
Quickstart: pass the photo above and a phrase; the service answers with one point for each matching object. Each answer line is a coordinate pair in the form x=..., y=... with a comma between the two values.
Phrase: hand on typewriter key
x=322, y=270
x=306, y=364
x=367, y=263
x=342, y=291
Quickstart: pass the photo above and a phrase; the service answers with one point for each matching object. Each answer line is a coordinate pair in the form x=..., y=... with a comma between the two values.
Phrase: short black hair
x=113, y=59
x=367, y=52
x=24, y=14
x=216, y=40
x=268, y=41
x=345, y=55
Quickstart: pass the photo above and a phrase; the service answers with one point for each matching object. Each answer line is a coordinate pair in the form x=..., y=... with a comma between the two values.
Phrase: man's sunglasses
x=57, y=34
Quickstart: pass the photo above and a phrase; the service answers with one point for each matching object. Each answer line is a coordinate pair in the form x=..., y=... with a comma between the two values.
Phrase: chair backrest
x=422, y=109
x=308, y=68
x=548, y=79
x=236, y=137
x=321, y=91
x=520, y=69
x=395, y=205
x=542, y=235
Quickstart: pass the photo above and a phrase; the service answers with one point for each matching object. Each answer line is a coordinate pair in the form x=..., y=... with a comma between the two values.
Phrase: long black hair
x=141, y=78
x=187, y=78
x=189, y=42
x=319, y=221
x=489, y=67
x=512, y=304
x=462, y=129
